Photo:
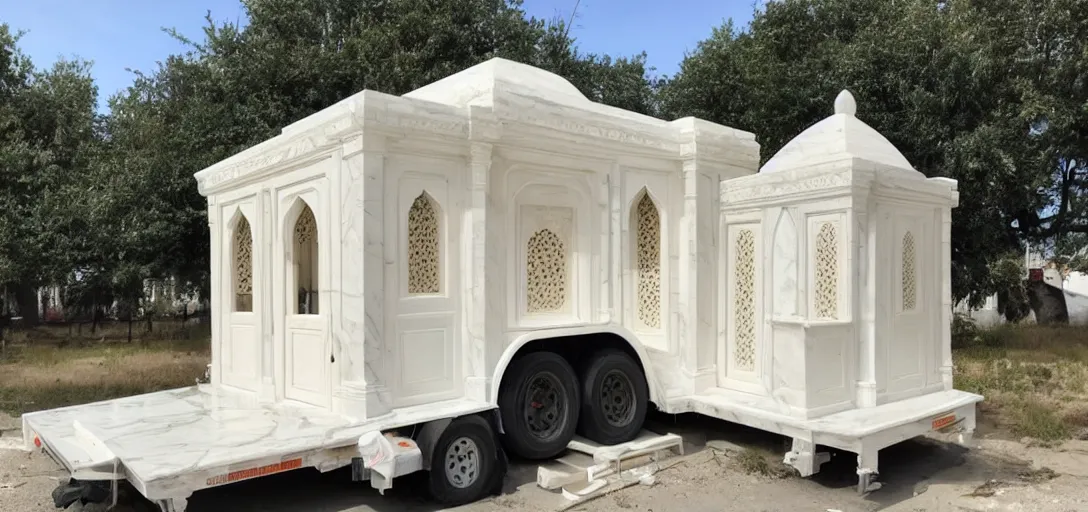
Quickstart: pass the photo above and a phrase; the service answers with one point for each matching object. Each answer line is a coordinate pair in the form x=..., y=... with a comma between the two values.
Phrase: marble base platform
x=858, y=423
x=171, y=443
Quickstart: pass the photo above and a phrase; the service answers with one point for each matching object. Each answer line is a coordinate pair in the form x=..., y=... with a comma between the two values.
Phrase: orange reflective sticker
x=245, y=474
x=944, y=421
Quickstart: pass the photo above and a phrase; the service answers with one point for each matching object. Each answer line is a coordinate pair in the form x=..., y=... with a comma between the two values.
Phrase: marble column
x=865, y=287
x=262, y=265
x=605, y=311
x=359, y=338
x=474, y=278
x=707, y=232
x=614, y=262
x=687, y=321
x=946, y=297
x=215, y=301
x=698, y=256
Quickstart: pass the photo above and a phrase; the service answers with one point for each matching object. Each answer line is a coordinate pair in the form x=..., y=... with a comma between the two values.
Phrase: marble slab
x=170, y=433
x=754, y=411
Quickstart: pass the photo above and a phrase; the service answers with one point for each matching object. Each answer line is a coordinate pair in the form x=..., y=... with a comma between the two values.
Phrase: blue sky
x=120, y=34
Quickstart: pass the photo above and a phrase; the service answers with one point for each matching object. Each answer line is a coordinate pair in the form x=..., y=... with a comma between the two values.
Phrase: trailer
x=494, y=263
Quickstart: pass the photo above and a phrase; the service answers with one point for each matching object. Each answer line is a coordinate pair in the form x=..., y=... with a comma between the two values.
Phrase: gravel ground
x=918, y=475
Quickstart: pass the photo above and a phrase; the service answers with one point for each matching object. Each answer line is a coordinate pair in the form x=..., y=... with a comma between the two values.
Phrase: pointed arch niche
x=646, y=267
x=242, y=264
x=305, y=262
x=424, y=246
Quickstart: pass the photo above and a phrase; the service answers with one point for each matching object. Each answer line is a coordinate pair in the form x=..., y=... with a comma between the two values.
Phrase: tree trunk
x=130, y=327
x=27, y=299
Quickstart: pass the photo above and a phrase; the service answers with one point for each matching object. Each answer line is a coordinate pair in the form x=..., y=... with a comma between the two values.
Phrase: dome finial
x=845, y=104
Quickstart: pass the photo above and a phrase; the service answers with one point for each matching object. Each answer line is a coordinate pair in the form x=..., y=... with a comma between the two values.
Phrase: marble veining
x=170, y=433
x=502, y=149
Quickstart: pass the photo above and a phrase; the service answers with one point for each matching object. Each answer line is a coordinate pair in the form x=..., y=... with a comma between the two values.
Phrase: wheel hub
x=617, y=399
x=462, y=462
x=546, y=407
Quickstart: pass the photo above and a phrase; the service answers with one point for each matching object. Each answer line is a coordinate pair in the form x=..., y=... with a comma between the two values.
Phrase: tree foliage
x=47, y=137
x=993, y=93
x=119, y=203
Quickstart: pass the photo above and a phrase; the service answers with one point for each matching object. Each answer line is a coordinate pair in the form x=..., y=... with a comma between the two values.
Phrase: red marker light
x=37, y=442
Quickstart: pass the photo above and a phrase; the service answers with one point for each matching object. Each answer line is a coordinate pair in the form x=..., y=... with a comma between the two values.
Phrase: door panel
x=240, y=355
x=911, y=330
x=306, y=377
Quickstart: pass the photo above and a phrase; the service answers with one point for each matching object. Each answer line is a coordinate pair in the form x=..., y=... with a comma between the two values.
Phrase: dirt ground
x=714, y=475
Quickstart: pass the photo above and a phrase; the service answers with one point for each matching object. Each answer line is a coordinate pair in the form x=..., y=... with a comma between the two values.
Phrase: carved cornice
x=585, y=122
x=264, y=160
x=763, y=188
x=381, y=111
x=372, y=111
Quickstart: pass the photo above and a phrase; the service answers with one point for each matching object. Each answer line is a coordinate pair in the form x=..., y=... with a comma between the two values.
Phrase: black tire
x=615, y=398
x=464, y=462
x=545, y=431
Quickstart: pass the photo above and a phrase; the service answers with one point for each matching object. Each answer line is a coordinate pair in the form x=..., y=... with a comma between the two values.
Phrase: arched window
x=647, y=223
x=546, y=269
x=243, y=266
x=305, y=256
x=424, y=252
x=910, y=282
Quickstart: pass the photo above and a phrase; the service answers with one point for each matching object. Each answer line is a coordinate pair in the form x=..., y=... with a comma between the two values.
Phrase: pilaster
x=866, y=290
x=215, y=300
x=615, y=246
x=687, y=317
x=475, y=275
x=363, y=388
x=263, y=265
x=946, y=297
x=482, y=270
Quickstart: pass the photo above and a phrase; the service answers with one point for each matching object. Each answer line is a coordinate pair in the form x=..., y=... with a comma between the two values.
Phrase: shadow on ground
x=334, y=491
x=906, y=469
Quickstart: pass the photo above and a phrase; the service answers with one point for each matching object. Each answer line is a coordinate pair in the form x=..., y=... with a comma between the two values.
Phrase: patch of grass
x=986, y=490
x=1039, y=421
x=44, y=377
x=756, y=462
x=1034, y=378
x=1036, y=476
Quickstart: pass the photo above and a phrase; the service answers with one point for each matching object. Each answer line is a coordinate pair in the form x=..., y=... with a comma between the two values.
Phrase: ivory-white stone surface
x=537, y=193
x=860, y=304
x=499, y=206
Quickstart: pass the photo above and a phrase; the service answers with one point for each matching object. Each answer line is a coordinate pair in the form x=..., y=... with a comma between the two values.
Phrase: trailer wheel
x=539, y=404
x=615, y=398
x=464, y=462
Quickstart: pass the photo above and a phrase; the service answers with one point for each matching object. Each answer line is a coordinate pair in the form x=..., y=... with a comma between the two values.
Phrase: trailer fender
x=432, y=431
x=428, y=437
x=656, y=394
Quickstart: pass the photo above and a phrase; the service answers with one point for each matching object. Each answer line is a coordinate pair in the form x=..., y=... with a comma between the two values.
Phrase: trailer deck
x=863, y=431
x=171, y=443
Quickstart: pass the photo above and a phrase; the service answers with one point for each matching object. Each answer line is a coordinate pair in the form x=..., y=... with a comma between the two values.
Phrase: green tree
x=47, y=132
x=240, y=86
x=967, y=89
